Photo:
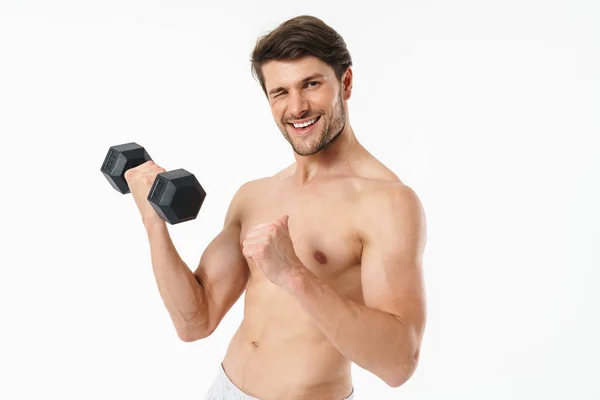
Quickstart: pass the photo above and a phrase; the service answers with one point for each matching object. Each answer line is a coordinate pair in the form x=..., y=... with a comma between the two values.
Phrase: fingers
x=257, y=238
x=149, y=168
x=249, y=251
x=261, y=226
x=256, y=241
x=261, y=230
x=262, y=235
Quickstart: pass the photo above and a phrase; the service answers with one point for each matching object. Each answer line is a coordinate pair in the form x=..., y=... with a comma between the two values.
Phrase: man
x=328, y=250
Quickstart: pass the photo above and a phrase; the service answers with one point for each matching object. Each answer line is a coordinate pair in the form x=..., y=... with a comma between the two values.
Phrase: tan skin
x=329, y=252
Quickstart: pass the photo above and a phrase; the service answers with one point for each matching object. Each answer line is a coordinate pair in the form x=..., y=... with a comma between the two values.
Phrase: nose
x=298, y=105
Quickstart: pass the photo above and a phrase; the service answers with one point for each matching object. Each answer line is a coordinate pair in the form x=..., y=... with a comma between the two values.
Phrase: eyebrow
x=309, y=78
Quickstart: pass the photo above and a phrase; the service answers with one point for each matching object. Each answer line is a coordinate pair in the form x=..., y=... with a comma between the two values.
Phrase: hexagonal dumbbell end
x=118, y=160
x=176, y=196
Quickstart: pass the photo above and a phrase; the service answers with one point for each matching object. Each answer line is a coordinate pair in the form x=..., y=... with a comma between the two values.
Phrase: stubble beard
x=330, y=130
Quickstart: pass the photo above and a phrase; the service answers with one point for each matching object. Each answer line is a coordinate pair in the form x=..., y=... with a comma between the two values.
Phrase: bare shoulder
x=383, y=192
x=389, y=193
x=244, y=194
x=249, y=192
x=261, y=186
x=390, y=207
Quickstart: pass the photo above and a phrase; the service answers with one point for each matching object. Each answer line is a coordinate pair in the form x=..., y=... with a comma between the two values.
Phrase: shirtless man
x=328, y=250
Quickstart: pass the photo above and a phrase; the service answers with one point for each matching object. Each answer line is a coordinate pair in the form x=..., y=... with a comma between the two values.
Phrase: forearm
x=179, y=289
x=376, y=341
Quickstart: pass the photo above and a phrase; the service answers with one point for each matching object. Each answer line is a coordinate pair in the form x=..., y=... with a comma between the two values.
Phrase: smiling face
x=307, y=102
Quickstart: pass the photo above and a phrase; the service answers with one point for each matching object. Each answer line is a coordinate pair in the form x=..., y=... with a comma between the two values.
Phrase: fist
x=270, y=246
x=140, y=180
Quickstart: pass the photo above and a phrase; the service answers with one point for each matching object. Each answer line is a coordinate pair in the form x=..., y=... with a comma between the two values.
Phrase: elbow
x=400, y=375
x=188, y=337
x=398, y=379
x=190, y=334
x=193, y=327
x=404, y=367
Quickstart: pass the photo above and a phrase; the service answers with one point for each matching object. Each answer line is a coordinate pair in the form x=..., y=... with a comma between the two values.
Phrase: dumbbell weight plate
x=118, y=160
x=176, y=196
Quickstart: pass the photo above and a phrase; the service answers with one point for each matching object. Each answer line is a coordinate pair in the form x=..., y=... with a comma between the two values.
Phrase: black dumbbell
x=176, y=195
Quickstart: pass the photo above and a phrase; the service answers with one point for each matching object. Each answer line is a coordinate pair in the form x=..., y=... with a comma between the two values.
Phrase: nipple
x=320, y=257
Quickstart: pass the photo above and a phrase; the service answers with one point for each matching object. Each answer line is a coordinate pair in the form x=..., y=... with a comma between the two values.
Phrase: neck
x=333, y=158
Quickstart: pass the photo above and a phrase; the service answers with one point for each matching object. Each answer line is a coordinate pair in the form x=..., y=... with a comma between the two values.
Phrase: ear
x=347, y=81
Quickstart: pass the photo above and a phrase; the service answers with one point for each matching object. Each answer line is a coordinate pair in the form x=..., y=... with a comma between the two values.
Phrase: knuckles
x=129, y=174
x=253, y=250
x=146, y=171
x=259, y=237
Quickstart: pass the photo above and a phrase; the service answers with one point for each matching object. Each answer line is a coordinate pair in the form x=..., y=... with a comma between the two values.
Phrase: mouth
x=305, y=127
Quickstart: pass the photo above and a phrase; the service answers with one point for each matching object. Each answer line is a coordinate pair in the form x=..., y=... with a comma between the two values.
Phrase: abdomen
x=279, y=352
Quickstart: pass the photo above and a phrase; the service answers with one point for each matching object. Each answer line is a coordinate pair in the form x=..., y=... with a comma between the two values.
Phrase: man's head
x=303, y=67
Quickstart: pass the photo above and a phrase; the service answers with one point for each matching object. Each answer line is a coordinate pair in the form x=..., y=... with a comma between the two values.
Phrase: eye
x=312, y=83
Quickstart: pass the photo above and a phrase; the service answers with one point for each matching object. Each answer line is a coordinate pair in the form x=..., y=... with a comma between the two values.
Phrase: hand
x=140, y=180
x=270, y=247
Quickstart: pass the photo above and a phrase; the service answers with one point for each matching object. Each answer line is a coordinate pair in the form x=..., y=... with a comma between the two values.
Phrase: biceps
x=393, y=283
x=223, y=273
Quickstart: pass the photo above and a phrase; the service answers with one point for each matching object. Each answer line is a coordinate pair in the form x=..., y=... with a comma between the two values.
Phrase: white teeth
x=305, y=124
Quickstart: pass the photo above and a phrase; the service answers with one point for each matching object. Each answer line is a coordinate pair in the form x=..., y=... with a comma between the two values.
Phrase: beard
x=332, y=127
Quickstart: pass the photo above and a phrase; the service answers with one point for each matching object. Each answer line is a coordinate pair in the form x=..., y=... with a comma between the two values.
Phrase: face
x=307, y=102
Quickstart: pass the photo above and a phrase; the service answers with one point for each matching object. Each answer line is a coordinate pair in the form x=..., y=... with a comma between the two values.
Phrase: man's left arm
x=384, y=335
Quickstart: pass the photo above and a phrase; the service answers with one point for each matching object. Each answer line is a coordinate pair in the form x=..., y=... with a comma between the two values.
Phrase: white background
x=488, y=110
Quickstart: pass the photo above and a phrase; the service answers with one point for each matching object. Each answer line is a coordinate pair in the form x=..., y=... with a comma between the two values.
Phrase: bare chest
x=322, y=230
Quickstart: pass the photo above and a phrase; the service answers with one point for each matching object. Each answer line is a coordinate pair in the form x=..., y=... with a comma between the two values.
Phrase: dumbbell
x=176, y=195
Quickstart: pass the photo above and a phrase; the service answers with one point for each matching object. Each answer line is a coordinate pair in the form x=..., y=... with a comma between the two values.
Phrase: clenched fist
x=140, y=180
x=270, y=246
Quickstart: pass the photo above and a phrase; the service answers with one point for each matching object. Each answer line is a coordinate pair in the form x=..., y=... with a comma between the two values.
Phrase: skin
x=328, y=250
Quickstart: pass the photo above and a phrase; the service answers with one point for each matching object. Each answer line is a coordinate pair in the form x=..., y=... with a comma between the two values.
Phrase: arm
x=383, y=335
x=198, y=301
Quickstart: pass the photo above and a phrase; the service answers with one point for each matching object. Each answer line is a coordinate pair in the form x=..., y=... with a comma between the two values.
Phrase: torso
x=278, y=352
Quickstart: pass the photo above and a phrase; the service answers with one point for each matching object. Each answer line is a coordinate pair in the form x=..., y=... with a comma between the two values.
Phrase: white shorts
x=223, y=389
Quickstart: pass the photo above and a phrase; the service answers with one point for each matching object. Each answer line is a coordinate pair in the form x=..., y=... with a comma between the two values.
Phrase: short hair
x=298, y=37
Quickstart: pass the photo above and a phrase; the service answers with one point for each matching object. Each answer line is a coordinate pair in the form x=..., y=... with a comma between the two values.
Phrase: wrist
x=153, y=223
x=295, y=279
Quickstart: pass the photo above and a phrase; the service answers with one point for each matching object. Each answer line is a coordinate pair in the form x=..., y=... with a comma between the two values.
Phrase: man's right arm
x=198, y=301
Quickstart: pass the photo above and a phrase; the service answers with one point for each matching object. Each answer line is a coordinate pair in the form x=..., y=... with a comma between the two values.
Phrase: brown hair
x=301, y=36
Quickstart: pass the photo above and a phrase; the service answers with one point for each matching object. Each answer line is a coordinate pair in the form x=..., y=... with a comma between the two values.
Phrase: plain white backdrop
x=488, y=110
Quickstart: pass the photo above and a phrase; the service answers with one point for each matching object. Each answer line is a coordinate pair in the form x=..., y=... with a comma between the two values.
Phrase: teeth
x=304, y=124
